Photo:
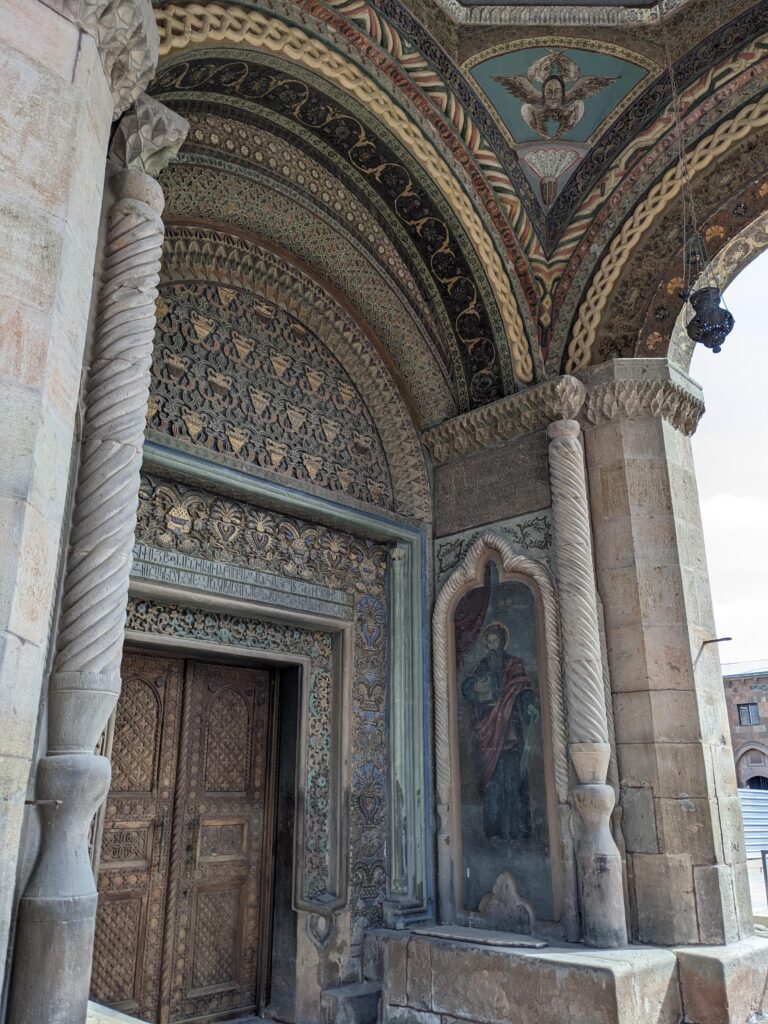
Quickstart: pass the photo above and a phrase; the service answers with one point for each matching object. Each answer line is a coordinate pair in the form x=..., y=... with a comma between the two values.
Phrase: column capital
x=127, y=38
x=147, y=138
x=641, y=389
x=509, y=417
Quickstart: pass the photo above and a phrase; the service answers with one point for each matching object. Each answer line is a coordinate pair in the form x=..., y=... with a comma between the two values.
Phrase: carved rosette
x=509, y=417
x=128, y=41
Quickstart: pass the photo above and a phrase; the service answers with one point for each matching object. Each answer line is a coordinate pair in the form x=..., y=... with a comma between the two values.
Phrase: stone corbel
x=510, y=417
x=127, y=38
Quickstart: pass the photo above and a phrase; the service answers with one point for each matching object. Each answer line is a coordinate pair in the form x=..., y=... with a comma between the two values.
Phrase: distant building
x=746, y=694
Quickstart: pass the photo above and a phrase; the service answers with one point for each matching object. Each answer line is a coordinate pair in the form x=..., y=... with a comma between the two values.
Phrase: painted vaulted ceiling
x=489, y=189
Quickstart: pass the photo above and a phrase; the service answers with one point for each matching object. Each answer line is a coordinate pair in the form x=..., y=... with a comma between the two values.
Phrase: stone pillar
x=57, y=911
x=598, y=859
x=681, y=817
x=65, y=68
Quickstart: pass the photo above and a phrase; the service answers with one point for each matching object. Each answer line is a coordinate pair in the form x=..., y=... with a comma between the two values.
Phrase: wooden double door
x=186, y=860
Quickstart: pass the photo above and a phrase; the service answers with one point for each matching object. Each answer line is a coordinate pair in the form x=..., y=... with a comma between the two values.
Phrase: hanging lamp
x=712, y=322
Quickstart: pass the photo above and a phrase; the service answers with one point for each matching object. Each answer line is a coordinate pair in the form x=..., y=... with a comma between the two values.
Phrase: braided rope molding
x=643, y=399
x=126, y=36
x=750, y=118
x=507, y=418
x=587, y=721
x=460, y=580
x=192, y=24
x=204, y=254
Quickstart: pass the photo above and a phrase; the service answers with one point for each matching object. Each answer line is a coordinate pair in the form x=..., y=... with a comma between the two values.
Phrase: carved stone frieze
x=194, y=253
x=638, y=399
x=177, y=517
x=510, y=417
x=237, y=376
x=126, y=35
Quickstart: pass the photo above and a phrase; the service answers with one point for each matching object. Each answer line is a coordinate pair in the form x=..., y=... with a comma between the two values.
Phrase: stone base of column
x=56, y=942
x=57, y=914
x=601, y=884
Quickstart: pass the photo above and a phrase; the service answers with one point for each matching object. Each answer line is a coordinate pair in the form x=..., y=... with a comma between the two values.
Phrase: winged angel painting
x=553, y=92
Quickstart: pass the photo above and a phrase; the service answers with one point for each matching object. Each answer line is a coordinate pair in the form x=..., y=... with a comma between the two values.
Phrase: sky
x=730, y=448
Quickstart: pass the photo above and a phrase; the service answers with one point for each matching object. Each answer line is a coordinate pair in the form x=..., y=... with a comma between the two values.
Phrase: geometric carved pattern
x=223, y=840
x=114, y=956
x=216, y=930
x=136, y=734
x=124, y=844
x=227, y=749
x=236, y=375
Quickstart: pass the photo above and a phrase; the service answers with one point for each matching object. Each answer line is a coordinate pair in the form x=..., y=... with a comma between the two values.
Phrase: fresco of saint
x=505, y=714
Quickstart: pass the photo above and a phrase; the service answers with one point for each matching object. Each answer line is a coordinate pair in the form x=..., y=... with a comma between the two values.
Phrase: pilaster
x=681, y=819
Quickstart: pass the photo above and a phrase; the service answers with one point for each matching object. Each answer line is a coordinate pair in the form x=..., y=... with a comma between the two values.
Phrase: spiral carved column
x=598, y=858
x=57, y=912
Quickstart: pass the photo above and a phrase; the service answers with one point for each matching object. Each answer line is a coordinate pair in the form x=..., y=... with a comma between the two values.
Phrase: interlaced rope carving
x=749, y=119
x=96, y=582
x=182, y=26
x=576, y=584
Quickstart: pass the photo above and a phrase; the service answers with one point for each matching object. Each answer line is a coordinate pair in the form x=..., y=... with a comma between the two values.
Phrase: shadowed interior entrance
x=185, y=874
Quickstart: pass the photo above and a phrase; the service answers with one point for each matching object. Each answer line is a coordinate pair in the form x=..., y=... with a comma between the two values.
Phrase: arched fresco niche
x=504, y=853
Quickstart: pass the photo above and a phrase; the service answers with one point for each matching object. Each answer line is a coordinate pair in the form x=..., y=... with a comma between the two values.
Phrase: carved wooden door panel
x=133, y=869
x=219, y=843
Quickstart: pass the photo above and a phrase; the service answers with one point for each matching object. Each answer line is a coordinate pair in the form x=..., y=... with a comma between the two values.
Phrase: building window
x=748, y=714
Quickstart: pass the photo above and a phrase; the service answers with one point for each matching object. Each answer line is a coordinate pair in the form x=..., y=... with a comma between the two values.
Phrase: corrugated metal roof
x=737, y=669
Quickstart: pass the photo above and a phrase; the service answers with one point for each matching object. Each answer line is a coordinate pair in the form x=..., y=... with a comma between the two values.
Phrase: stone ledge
x=724, y=984
x=447, y=980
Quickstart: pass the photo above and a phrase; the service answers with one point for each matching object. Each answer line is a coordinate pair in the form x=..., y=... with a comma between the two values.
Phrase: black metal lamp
x=712, y=321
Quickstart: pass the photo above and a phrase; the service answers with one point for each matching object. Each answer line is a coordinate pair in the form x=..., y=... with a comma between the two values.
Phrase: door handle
x=194, y=829
x=161, y=845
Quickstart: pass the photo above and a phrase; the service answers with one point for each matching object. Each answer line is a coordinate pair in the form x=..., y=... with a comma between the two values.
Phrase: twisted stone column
x=57, y=912
x=598, y=858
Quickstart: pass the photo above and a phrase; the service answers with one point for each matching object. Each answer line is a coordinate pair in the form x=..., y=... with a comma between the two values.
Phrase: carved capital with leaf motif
x=147, y=138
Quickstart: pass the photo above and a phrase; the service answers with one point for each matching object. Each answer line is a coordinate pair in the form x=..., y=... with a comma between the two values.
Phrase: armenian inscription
x=194, y=573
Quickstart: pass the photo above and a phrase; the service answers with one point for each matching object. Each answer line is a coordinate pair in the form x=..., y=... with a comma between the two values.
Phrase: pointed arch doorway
x=187, y=849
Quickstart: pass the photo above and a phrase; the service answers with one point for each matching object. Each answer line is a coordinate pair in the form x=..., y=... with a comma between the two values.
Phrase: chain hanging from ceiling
x=712, y=321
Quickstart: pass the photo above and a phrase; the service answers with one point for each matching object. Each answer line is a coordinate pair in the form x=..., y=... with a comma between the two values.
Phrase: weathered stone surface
x=385, y=956
x=54, y=127
x=351, y=1004
x=724, y=984
x=508, y=480
x=666, y=908
x=490, y=985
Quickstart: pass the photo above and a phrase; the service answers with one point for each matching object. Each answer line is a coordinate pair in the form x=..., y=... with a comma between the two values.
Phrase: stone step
x=351, y=1004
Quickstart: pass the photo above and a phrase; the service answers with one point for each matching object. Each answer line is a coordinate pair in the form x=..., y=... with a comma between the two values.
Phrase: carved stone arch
x=620, y=249
x=745, y=771
x=738, y=251
x=225, y=258
x=469, y=574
